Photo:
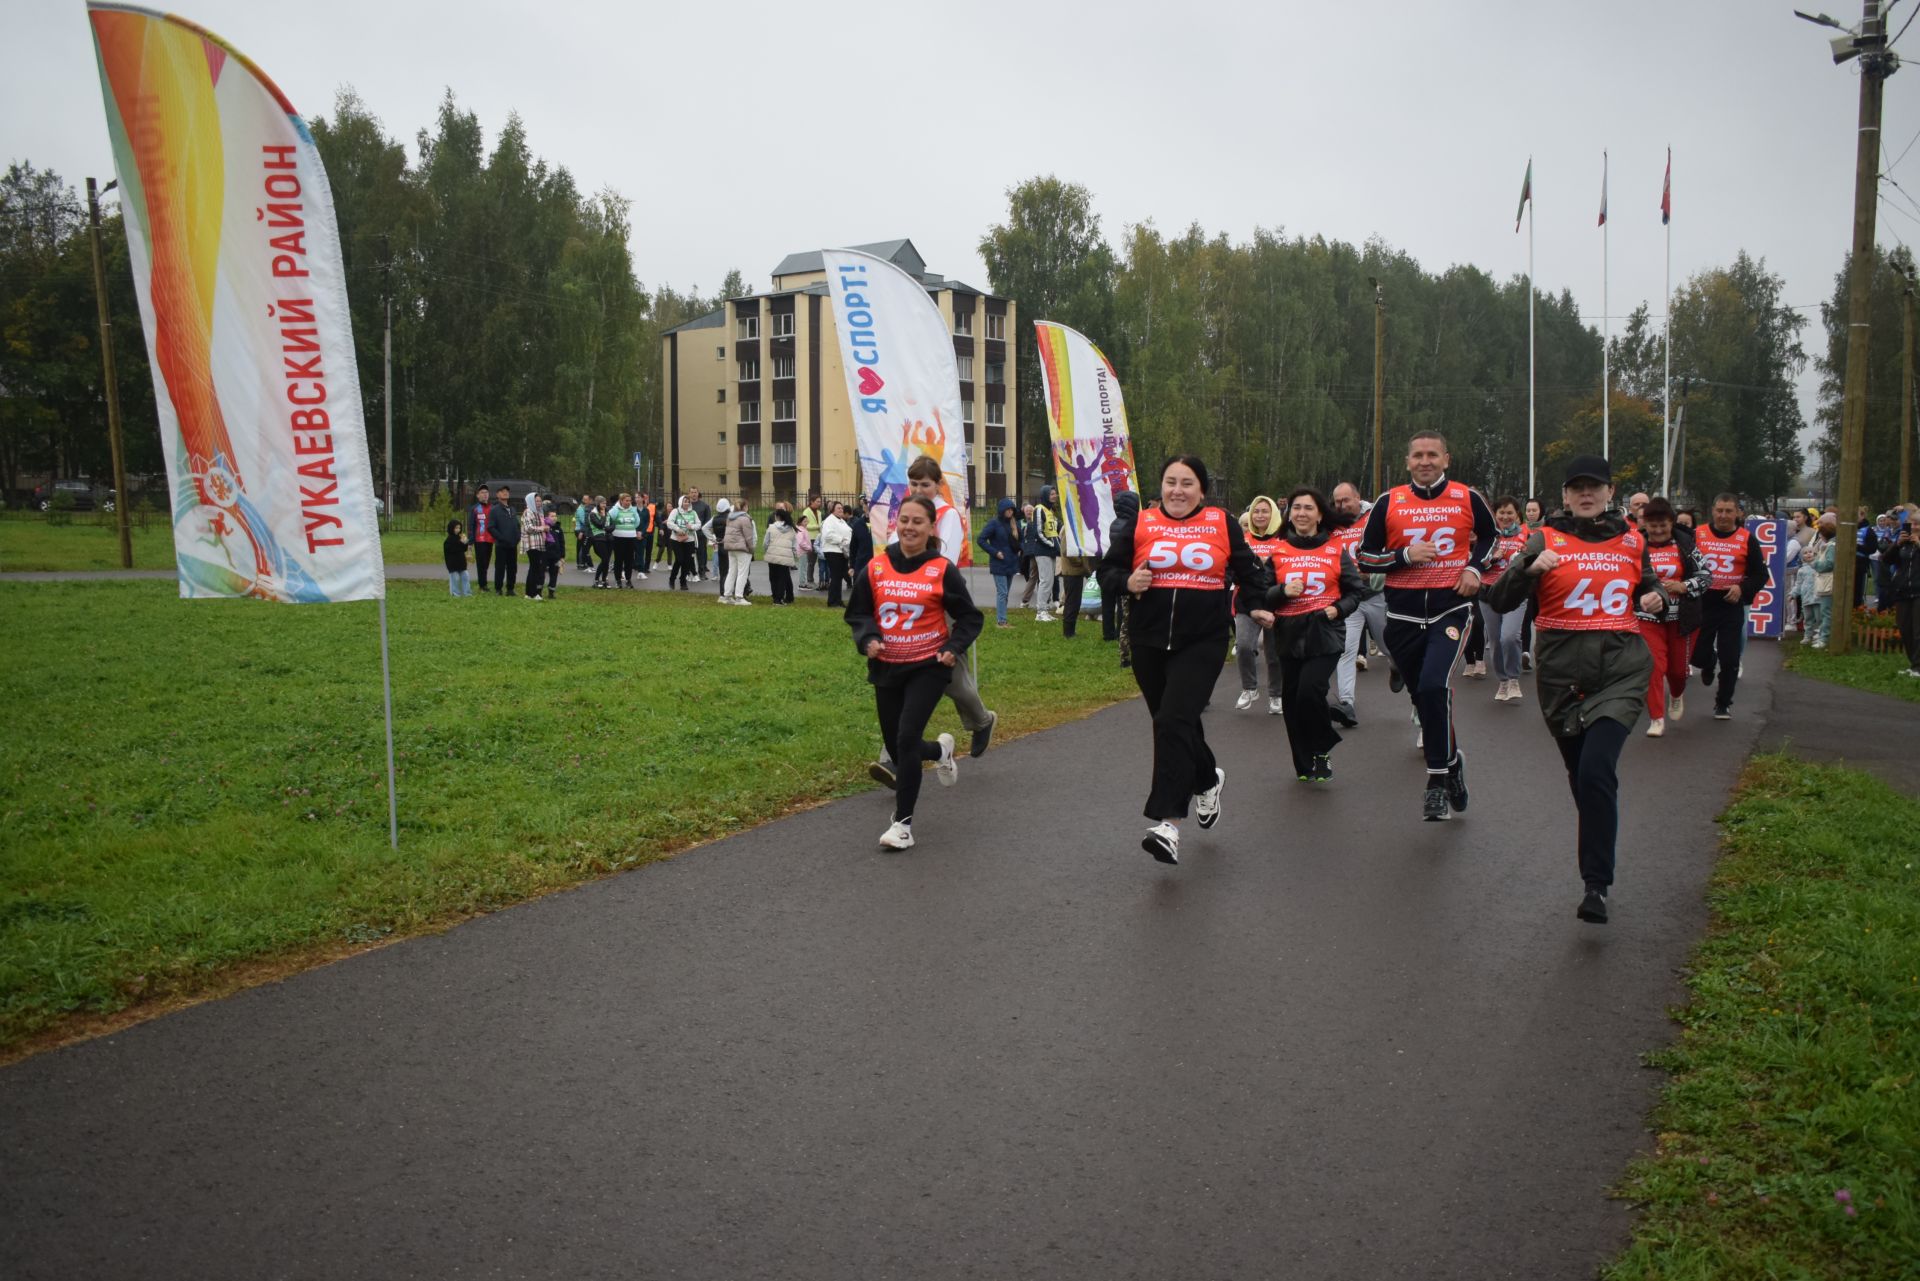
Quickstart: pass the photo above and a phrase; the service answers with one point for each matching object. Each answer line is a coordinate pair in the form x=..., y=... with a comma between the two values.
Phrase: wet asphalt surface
x=1335, y=1042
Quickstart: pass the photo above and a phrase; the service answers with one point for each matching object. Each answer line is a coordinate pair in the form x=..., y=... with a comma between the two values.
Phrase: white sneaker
x=1273, y=707
x=1248, y=697
x=1517, y=694
x=1206, y=806
x=1043, y=617
x=898, y=837
x=1163, y=842
x=643, y=575
x=1657, y=728
x=947, y=770
x=1676, y=707
x=1360, y=661
x=741, y=600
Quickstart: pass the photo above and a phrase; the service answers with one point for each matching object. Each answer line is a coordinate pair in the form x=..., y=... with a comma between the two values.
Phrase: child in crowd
x=456, y=550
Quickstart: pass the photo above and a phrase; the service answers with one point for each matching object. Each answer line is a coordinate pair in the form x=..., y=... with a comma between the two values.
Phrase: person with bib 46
x=1590, y=573
x=899, y=615
x=1177, y=561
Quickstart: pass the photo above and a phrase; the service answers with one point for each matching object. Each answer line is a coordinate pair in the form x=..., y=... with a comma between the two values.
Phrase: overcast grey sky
x=746, y=130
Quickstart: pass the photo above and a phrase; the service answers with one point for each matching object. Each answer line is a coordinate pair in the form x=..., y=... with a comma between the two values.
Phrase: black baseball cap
x=1589, y=467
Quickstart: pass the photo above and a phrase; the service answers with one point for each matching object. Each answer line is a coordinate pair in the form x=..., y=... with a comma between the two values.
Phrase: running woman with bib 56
x=1178, y=560
x=1431, y=539
x=1590, y=572
x=899, y=614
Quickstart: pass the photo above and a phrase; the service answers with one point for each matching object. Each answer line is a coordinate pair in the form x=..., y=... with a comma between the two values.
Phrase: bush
x=60, y=508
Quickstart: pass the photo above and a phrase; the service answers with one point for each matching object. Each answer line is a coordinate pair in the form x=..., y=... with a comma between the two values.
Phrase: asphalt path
x=1334, y=1042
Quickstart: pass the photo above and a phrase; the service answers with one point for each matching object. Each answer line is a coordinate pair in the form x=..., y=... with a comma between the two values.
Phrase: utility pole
x=1906, y=396
x=386, y=360
x=120, y=512
x=1877, y=62
x=1379, y=383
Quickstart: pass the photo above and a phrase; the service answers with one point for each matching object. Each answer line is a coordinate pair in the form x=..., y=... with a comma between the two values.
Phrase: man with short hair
x=1430, y=538
x=503, y=523
x=923, y=480
x=1369, y=618
x=1636, y=503
x=479, y=535
x=1731, y=551
x=705, y=513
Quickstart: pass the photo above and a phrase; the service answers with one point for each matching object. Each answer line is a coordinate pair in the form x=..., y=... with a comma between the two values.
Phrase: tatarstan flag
x=1526, y=194
x=1666, y=192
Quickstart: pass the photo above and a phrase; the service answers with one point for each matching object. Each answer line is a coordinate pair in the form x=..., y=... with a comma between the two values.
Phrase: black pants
x=1072, y=586
x=623, y=560
x=1593, y=775
x=683, y=569
x=1303, y=687
x=1906, y=613
x=1112, y=594
x=1721, y=626
x=1177, y=684
x=1476, y=650
x=603, y=549
x=582, y=547
x=780, y=578
x=643, y=551
x=720, y=564
x=1424, y=655
x=543, y=570
x=836, y=576
x=482, y=558
x=506, y=568
x=701, y=541
x=904, y=711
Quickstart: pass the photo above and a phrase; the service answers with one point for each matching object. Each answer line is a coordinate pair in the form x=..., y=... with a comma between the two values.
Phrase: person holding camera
x=1904, y=585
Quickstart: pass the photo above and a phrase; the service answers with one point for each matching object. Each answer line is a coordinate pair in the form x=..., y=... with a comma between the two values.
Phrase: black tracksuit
x=1723, y=626
x=504, y=525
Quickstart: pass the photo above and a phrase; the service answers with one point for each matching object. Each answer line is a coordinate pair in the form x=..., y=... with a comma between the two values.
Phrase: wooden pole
x=1905, y=494
x=120, y=496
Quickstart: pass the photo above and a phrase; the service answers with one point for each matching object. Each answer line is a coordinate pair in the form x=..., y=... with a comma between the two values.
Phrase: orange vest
x=1726, y=557
x=1504, y=550
x=1445, y=520
x=1316, y=569
x=1666, y=561
x=1184, y=553
x=909, y=608
x=1592, y=588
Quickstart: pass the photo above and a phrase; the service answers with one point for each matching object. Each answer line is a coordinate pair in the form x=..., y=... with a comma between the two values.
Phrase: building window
x=783, y=366
x=719, y=353
x=749, y=327
x=749, y=456
x=996, y=415
x=723, y=480
x=750, y=370
x=966, y=368
x=783, y=324
x=786, y=455
x=966, y=418
x=721, y=399
x=963, y=323
x=996, y=372
x=996, y=327
x=997, y=459
x=783, y=411
x=723, y=438
x=749, y=411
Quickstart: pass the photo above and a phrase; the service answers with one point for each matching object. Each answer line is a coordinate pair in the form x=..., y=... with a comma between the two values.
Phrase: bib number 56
x=1169, y=552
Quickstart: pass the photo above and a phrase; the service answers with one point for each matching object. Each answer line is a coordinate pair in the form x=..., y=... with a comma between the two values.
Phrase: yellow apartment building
x=756, y=397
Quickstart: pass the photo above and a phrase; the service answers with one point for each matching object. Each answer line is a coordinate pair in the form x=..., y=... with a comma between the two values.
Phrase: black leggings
x=1177, y=684
x=781, y=578
x=1303, y=689
x=1593, y=775
x=1476, y=650
x=904, y=711
x=603, y=548
x=836, y=575
x=1071, y=587
x=682, y=565
x=623, y=560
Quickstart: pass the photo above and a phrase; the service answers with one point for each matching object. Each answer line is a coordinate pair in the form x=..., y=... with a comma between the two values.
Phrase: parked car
x=86, y=495
x=561, y=502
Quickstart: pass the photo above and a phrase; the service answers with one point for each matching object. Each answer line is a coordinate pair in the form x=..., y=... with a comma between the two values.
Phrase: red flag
x=1666, y=192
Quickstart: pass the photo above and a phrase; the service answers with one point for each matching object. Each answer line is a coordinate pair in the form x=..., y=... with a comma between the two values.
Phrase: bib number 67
x=1169, y=552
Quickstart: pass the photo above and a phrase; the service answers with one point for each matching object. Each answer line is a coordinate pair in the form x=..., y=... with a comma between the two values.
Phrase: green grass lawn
x=1790, y=1130
x=192, y=786
x=33, y=544
x=1879, y=673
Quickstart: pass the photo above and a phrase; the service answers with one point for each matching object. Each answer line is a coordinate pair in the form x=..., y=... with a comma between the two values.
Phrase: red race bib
x=1184, y=553
x=1316, y=569
x=1445, y=521
x=1592, y=588
x=1666, y=561
x=1726, y=557
x=909, y=608
x=1505, y=548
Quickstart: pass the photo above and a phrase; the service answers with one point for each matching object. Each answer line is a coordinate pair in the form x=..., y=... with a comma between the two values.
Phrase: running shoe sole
x=1162, y=851
x=1208, y=820
x=882, y=775
x=1593, y=908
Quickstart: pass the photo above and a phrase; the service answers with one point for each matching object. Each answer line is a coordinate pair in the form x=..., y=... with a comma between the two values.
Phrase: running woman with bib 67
x=1431, y=539
x=1177, y=561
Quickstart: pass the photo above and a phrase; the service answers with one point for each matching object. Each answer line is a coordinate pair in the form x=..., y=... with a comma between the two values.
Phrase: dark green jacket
x=1582, y=677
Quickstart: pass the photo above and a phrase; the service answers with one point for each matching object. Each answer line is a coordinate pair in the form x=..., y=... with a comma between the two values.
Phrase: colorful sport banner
x=243, y=297
x=1767, y=611
x=1092, y=452
x=903, y=386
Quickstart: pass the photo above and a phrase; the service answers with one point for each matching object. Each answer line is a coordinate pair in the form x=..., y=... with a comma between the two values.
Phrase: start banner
x=903, y=387
x=1767, y=611
x=1092, y=452
x=243, y=298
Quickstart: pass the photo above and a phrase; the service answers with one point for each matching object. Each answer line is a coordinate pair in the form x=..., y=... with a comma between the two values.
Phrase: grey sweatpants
x=1248, y=637
x=1370, y=617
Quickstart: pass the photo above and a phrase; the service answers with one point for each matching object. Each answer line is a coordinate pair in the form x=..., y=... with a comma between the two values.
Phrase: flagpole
x=1606, y=321
x=1532, y=486
x=1666, y=395
x=386, y=680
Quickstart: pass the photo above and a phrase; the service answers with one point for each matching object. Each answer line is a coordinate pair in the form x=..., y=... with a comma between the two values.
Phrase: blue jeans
x=458, y=584
x=1001, y=586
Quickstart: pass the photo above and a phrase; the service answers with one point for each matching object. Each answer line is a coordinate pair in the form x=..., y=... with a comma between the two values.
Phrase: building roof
x=900, y=253
x=712, y=320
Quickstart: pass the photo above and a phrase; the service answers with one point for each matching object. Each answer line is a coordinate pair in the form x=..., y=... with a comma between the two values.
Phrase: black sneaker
x=1593, y=908
x=1395, y=681
x=881, y=772
x=1706, y=675
x=1344, y=713
x=1434, y=808
x=1721, y=712
x=1320, y=771
x=1456, y=784
x=982, y=737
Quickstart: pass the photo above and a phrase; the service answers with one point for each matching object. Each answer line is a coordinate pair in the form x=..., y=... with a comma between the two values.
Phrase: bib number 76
x=1612, y=600
x=1168, y=552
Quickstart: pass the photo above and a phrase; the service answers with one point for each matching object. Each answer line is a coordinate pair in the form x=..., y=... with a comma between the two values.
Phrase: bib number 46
x=1612, y=600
